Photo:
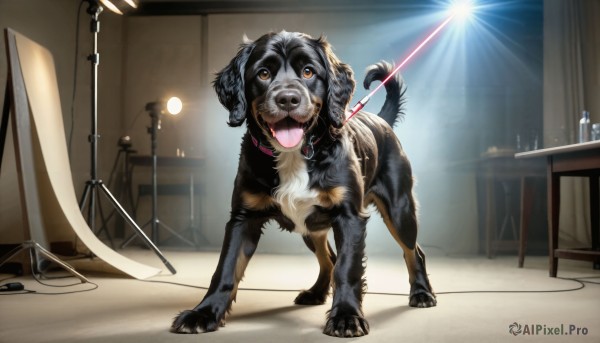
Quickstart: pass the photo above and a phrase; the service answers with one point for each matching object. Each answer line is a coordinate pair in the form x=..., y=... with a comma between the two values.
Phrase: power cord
x=17, y=288
x=13, y=287
x=581, y=285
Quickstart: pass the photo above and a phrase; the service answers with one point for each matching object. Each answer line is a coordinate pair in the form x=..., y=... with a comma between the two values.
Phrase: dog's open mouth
x=287, y=132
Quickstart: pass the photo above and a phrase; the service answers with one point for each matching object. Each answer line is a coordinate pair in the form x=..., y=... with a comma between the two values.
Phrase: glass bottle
x=584, y=127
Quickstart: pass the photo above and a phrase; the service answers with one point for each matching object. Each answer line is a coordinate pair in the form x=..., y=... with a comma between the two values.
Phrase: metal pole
x=94, y=10
x=153, y=133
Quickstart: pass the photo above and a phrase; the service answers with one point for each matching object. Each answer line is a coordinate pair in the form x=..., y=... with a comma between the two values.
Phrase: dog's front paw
x=311, y=298
x=346, y=325
x=422, y=299
x=190, y=321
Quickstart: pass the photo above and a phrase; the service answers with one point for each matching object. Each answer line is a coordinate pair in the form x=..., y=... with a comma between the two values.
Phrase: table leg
x=553, y=217
x=490, y=218
x=595, y=219
x=526, y=205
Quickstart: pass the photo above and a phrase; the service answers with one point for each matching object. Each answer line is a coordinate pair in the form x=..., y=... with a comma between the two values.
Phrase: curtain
x=570, y=37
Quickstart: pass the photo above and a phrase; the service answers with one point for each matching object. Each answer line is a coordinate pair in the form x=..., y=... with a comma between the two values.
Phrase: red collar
x=263, y=148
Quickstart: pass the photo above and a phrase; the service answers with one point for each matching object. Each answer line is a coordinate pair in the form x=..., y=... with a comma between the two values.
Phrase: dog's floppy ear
x=229, y=85
x=340, y=83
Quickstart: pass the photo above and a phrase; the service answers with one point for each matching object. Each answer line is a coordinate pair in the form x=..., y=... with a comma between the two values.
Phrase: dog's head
x=285, y=84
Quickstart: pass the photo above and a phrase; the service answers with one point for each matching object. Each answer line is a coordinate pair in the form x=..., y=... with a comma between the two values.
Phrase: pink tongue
x=288, y=133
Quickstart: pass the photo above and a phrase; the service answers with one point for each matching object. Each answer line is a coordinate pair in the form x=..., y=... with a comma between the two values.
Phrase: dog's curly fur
x=311, y=180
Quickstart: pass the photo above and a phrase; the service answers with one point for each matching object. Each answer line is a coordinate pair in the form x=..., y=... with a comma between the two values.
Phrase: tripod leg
x=38, y=248
x=104, y=226
x=114, y=168
x=139, y=231
x=84, y=197
x=132, y=237
x=9, y=255
x=128, y=240
x=33, y=246
x=128, y=186
x=192, y=227
x=177, y=235
x=92, y=209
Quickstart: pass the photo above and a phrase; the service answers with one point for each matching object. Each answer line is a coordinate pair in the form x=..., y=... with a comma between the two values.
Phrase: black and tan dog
x=304, y=167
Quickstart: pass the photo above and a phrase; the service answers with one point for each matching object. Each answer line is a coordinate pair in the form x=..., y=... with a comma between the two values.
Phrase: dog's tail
x=392, y=109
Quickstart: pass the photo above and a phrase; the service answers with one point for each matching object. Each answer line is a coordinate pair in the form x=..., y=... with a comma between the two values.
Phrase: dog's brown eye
x=264, y=74
x=307, y=73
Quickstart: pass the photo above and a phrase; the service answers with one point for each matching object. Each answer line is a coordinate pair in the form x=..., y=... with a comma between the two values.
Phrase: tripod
x=94, y=185
x=155, y=111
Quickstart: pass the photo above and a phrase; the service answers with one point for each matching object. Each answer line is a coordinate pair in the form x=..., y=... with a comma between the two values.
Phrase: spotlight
x=120, y=6
x=461, y=9
x=174, y=106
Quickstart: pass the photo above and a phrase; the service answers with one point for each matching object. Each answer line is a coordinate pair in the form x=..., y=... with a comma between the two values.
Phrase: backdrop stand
x=24, y=156
x=34, y=251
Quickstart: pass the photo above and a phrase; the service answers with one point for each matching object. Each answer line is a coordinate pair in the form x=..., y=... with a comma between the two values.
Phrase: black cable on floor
x=39, y=280
x=577, y=280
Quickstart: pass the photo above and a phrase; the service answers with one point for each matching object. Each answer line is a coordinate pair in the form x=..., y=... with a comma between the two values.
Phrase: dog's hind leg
x=241, y=239
x=317, y=294
x=397, y=208
x=421, y=292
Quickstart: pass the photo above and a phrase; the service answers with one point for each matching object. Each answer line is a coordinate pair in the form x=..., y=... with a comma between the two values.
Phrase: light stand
x=155, y=109
x=94, y=10
x=92, y=185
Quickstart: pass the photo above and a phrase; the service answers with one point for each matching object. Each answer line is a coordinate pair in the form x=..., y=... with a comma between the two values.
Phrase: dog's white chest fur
x=293, y=195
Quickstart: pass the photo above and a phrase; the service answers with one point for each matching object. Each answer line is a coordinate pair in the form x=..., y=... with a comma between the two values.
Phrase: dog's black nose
x=288, y=99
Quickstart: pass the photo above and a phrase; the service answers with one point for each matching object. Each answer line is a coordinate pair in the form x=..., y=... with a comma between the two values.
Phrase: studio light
x=174, y=106
x=120, y=6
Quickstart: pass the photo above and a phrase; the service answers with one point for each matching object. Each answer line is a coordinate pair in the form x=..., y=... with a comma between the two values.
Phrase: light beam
x=458, y=10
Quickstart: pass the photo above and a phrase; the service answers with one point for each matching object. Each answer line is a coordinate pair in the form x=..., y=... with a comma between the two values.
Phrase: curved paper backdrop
x=41, y=85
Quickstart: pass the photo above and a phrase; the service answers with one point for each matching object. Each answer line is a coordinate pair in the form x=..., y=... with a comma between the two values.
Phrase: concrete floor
x=127, y=310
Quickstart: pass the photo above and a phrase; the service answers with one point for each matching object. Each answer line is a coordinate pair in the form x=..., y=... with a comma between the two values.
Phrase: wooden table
x=500, y=167
x=166, y=161
x=582, y=160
